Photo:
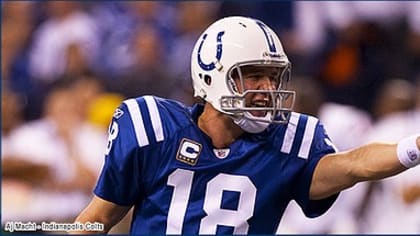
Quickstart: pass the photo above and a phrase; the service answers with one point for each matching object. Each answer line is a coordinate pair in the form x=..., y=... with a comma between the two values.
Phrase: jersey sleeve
x=320, y=145
x=134, y=129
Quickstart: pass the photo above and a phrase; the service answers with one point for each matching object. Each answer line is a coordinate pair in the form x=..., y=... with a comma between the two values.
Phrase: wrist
x=408, y=151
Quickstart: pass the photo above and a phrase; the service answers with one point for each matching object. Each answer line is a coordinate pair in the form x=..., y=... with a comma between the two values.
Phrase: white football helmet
x=222, y=50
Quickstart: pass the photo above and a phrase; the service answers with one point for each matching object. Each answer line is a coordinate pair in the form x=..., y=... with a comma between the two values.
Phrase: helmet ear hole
x=207, y=79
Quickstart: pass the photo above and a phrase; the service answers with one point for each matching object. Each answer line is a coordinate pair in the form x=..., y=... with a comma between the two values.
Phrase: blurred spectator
x=309, y=96
x=66, y=148
x=355, y=67
x=276, y=14
x=418, y=92
x=87, y=87
x=17, y=30
x=337, y=118
x=358, y=44
x=146, y=76
x=395, y=95
x=101, y=109
x=114, y=25
x=400, y=195
x=68, y=29
x=76, y=63
x=345, y=126
x=313, y=20
x=192, y=17
x=157, y=14
x=11, y=116
x=118, y=23
x=413, y=40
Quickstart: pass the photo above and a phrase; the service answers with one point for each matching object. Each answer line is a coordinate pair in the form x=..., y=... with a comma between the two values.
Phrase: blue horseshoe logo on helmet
x=211, y=65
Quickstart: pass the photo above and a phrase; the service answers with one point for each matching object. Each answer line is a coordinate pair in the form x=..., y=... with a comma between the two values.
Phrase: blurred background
x=65, y=67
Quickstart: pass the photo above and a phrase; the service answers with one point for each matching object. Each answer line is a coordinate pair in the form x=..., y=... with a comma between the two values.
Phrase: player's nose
x=266, y=83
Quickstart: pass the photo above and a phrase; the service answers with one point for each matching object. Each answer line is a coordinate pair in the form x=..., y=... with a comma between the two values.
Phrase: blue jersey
x=159, y=160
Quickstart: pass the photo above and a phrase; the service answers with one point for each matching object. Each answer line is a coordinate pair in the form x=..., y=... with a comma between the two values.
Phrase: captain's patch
x=188, y=151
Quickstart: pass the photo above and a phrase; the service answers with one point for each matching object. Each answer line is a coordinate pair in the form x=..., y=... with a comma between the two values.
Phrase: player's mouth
x=260, y=103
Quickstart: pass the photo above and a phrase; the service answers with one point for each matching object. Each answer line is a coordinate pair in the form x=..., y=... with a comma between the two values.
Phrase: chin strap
x=251, y=126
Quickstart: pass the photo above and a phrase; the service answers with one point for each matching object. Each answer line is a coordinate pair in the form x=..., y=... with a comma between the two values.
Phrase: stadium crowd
x=66, y=65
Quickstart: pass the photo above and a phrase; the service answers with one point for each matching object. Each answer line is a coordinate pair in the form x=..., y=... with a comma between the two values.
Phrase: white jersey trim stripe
x=308, y=136
x=137, y=119
x=155, y=117
x=290, y=133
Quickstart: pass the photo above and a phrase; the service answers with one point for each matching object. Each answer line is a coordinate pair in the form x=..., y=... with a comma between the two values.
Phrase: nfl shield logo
x=221, y=153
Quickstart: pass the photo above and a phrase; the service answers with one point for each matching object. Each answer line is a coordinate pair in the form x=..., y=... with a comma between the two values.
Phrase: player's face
x=258, y=78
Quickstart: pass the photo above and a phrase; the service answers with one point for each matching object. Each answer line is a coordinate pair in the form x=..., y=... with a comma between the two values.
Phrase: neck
x=219, y=127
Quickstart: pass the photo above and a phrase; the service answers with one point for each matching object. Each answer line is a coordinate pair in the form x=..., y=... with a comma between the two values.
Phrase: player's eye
x=254, y=76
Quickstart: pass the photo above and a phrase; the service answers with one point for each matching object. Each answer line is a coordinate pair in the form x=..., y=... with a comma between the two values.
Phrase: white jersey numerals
x=182, y=181
x=112, y=134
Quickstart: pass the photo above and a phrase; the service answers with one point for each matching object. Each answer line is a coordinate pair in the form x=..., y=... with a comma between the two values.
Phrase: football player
x=232, y=164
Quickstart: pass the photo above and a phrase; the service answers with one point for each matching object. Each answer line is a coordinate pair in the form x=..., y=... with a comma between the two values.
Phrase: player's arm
x=21, y=169
x=101, y=211
x=338, y=171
